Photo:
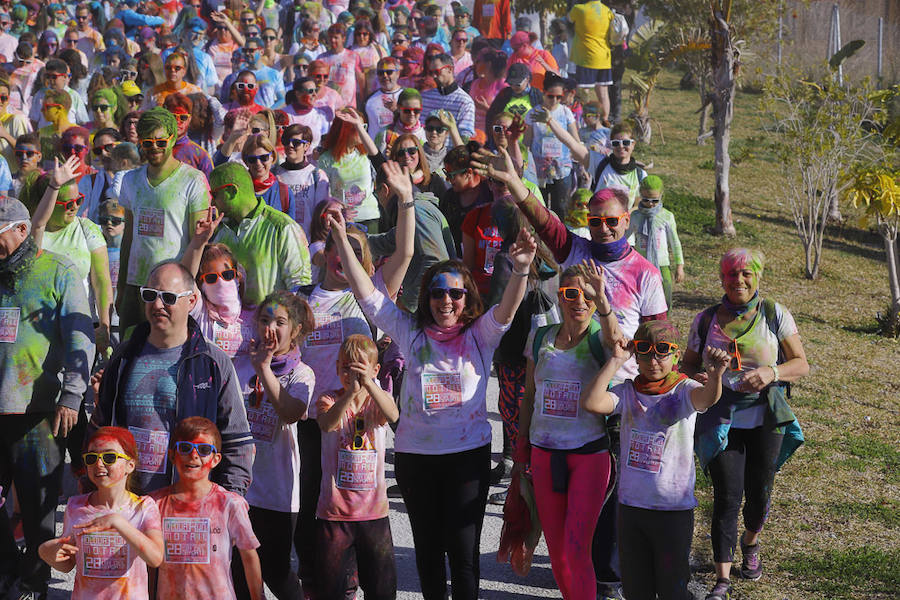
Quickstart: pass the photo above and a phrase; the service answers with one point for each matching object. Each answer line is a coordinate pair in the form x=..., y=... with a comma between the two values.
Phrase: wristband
x=52, y=187
x=525, y=274
x=409, y=204
x=606, y=314
x=775, y=371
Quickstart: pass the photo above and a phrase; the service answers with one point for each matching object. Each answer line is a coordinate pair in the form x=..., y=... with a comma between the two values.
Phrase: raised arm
x=356, y=275
x=595, y=290
x=203, y=233
x=595, y=398
x=59, y=176
x=704, y=397
x=394, y=270
x=352, y=116
x=566, y=136
x=521, y=253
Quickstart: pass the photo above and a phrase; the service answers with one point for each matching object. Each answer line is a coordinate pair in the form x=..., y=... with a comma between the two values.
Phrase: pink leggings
x=569, y=518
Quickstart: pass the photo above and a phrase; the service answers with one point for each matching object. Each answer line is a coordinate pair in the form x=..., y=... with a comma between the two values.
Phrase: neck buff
x=650, y=213
x=740, y=309
x=443, y=334
x=261, y=186
x=610, y=251
x=115, y=241
x=409, y=128
x=283, y=364
x=289, y=166
x=223, y=303
x=620, y=168
x=13, y=267
x=654, y=388
x=418, y=176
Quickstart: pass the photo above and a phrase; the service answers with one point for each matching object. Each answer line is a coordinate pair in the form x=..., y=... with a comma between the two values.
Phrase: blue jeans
x=32, y=459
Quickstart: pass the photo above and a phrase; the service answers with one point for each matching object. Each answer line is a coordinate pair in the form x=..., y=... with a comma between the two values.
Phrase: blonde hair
x=358, y=347
x=257, y=142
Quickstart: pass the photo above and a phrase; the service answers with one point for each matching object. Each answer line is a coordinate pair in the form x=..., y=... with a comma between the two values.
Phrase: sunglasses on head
x=297, y=142
x=203, y=449
x=617, y=143
x=253, y=159
x=70, y=204
x=149, y=295
x=242, y=85
x=212, y=276
x=735, y=364
x=438, y=293
x=410, y=151
x=571, y=293
x=659, y=348
x=151, y=142
x=108, y=458
x=111, y=220
x=435, y=129
x=611, y=222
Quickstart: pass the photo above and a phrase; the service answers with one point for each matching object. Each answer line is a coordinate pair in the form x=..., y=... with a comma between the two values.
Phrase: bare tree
x=725, y=61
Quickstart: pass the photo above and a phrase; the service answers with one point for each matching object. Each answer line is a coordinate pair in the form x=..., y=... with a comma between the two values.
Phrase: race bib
x=356, y=470
x=151, y=222
x=645, y=453
x=329, y=330
x=230, y=339
x=187, y=540
x=103, y=554
x=354, y=196
x=263, y=419
x=561, y=399
x=441, y=391
x=551, y=147
x=9, y=324
x=489, y=253
x=339, y=74
x=153, y=448
x=385, y=118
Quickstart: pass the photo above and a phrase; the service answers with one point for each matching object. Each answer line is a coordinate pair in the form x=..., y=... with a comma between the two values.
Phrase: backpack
x=618, y=30
x=772, y=321
x=595, y=342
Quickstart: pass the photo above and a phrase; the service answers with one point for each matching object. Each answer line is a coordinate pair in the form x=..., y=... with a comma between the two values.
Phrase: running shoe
x=721, y=591
x=751, y=564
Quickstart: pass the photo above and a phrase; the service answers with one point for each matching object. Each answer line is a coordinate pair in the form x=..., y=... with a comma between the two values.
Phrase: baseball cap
x=147, y=33
x=11, y=210
x=461, y=9
x=517, y=73
x=130, y=88
x=196, y=25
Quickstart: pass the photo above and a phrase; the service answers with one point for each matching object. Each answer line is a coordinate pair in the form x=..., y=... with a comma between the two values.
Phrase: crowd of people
x=240, y=241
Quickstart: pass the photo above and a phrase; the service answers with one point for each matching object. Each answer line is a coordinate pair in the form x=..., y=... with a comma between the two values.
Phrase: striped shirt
x=456, y=102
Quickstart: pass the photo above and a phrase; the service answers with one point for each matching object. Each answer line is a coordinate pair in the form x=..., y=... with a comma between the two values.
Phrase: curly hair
x=474, y=305
x=298, y=311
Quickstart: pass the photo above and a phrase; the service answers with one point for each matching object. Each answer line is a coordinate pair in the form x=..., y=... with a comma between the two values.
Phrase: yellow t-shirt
x=590, y=48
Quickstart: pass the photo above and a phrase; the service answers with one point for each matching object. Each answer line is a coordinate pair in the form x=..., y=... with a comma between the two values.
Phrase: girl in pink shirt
x=109, y=535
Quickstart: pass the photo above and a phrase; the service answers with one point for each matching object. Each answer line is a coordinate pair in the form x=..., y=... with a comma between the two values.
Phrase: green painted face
x=232, y=191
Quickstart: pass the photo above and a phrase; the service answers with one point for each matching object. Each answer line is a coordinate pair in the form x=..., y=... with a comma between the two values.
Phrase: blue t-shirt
x=6, y=182
x=552, y=158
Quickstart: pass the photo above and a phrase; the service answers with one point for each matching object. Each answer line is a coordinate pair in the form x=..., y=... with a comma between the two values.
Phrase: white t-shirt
x=162, y=216
x=276, y=468
x=443, y=396
x=558, y=422
x=378, y=115
x=76, y=241
x=314, y=119
x=657, y=447
x=610, y=178
x=232, y=339
x=758, y=347
x=634, y=289
x=309, y=186
x=337, y=315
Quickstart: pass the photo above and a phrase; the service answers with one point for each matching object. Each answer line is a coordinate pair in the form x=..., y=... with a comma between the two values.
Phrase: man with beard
x=163, y=201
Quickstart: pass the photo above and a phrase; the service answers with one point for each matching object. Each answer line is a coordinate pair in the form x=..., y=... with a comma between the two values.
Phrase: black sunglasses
x=411, y=151
x=252, y=160
x=435, y=129
x=297, y=142
x=212, y=277
x=111, y=220
x=438, y=293
x=98, y=150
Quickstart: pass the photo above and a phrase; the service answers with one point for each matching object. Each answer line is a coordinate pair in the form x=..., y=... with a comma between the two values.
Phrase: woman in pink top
x=490, y=67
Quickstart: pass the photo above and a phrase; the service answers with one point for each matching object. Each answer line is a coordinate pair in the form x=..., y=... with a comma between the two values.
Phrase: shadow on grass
x=694, y=214
x=841, y=238
x=845, y=573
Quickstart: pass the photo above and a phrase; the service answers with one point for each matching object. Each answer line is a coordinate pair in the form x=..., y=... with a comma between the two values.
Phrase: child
x=110, y=535
x=656, y=485
x=201, y=521
x=593, y=134
x=307, y=182
x=277, y=388
x=654, y=233
x=576, y=217
x=353, y=531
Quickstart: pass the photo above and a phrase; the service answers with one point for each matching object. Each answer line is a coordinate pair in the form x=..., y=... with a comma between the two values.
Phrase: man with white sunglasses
x=167, y=371
x=46, y=352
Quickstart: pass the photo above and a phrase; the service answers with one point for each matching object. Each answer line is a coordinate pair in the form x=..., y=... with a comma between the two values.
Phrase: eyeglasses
x=571, y=293
x=241, y=85
x=187, y=448
x=108, y=458
x=4, y=97
x=320, y=77
x=104, y=149
x=252, y=160
x=611, y=222
x=438, y=293
x=55, y=75
x=498, y=129
x=435, y=129
x=386, y=72
x=212, y=276
x=10, y=225
x=73, y=203
x=82, y=17
x=591, y=114
x=128, y=74
x=111, y=220
x=222, y=187
x=411, y=111
x=410, y=151
x=256, y=130
x=461, y=40
x=100, y=107
x=359, y=428
x=659, y=348
x=302, y=66
x=398, y=41
x=21, y=154
x=183, y=117
x=436, y=72
x=149, y=295
x=158, y=142
x=136, y=99
x=617, y=143
x=297, y=142
x=72, y=41
x=175, y=68
x=735, y=364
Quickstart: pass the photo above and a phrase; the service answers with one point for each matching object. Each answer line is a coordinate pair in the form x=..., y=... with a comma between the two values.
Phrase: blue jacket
x=134, y=20
x=217, y=397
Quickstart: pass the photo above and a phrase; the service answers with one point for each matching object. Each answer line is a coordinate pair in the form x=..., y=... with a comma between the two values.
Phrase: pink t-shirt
x=106, y=565
x=353, y=486
x=198, y=539
x=484, y=92
x=342, y=76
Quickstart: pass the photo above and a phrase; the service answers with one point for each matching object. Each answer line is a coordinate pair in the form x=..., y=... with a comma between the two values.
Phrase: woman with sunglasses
x=271, y=52
x=48, y=44
x=260, y=156
x=407, y=120
x=12, y=125
x=749, y=434
x=462, y=59
x=128, y=128
x=56, y=227
x=442, y=445
x=103, y=105
x=467, y=190
x=307, y=182
x=150, y=71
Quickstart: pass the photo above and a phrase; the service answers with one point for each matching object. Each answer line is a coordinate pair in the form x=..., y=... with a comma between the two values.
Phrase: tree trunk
x=891, y=252
x=723, y=62
x=701, y=133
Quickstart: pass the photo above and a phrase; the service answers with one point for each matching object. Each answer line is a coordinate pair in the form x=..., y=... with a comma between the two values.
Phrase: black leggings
x=745, y=468
x=655, y=550
x=310, y=440
x=445, y=497
x=556, y=194
x=275, y=532
x=352, y=553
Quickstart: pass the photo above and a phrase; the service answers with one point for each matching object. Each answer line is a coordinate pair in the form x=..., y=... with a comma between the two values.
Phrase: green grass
x=832, y=531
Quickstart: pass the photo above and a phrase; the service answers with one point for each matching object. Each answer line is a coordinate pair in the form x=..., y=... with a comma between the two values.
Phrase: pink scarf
x=443, y=334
